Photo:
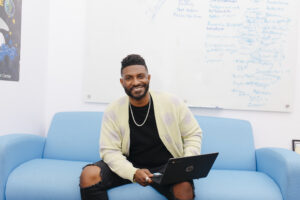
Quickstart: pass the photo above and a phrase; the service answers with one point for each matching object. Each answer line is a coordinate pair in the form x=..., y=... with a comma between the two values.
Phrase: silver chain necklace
x=145, y=117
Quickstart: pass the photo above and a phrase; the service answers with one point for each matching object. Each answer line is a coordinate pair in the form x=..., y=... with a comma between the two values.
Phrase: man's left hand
x=143, y=177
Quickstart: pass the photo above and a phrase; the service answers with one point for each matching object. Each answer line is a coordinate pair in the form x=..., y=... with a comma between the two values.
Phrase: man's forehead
x=134, y=69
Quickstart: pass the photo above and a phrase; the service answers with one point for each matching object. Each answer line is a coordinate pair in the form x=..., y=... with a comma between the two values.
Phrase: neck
x=141, y=102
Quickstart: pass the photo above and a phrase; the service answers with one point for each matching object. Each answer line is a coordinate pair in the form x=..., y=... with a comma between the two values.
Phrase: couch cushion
x=134, y=192
x=49, y=179
x=74, y=136
x=232, y=138
x=237, y=185
x=45, y=179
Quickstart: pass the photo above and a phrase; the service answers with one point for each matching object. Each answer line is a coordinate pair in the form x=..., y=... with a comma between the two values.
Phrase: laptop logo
x=189, y=168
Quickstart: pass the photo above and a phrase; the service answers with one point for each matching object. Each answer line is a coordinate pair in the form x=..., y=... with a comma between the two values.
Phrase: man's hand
x=143, y=177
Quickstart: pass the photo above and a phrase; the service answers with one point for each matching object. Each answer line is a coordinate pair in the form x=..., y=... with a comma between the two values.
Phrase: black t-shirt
x=146, y=147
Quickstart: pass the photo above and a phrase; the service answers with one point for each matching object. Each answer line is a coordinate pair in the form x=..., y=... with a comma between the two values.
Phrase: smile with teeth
x=137, y=89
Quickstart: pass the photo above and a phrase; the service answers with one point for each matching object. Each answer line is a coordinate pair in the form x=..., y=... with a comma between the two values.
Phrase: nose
x=136, y=82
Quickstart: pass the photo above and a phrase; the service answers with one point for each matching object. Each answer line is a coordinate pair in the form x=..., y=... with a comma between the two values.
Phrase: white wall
x=22, y=104
x=62, y=90
x=66, y=58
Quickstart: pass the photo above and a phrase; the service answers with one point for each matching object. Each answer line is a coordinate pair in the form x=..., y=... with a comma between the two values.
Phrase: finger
x=147, y=179
x=144, y=181
x=142, y=184
x=148, y=172
x=143, y=177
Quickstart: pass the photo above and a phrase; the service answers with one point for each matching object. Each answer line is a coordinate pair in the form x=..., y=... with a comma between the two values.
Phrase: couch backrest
x=232, y=138
x=74, y=136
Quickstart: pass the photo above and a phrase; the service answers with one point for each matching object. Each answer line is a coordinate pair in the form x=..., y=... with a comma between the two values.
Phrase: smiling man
x=140, y=133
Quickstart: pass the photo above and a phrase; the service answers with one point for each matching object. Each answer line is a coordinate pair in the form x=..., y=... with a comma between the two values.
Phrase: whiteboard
x=231, y=54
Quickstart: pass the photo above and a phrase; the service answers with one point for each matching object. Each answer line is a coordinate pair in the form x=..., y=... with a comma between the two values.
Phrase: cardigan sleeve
x=190, y=130
x=111, y=149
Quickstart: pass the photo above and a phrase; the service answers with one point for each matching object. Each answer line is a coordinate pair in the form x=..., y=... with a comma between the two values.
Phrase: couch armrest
x=283, y=166
x=16, y=149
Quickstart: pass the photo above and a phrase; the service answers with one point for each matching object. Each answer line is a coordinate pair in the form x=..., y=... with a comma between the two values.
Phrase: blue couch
x=35, y=168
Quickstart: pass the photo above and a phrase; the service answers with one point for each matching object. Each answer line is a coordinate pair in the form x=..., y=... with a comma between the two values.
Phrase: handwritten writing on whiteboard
x=154, y=9
x=253, y=44
x=184, y=9
x=187, y=9
x=232, y=54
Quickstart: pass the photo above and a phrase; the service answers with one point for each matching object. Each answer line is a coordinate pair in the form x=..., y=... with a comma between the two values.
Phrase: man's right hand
x=143, y=177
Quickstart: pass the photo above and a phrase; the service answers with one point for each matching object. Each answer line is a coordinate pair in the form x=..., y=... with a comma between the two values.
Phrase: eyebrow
x=142, y=73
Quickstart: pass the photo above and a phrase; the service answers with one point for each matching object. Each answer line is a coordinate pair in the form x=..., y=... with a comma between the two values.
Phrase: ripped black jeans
x=111, y=180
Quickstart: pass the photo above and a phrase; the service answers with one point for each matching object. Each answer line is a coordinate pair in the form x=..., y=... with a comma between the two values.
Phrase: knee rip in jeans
x=193, y=193
x=90, y=176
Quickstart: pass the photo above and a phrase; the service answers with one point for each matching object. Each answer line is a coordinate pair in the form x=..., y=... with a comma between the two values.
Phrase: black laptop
x=185, y=168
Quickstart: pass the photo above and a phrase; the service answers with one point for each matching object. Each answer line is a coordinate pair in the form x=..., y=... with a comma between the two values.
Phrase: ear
x=121, y=81
x=149, y=77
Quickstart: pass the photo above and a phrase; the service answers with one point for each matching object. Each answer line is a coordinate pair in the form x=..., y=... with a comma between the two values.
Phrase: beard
x=129, y=92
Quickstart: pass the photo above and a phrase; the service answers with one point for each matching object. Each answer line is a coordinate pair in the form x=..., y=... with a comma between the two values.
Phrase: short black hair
x=133, y=59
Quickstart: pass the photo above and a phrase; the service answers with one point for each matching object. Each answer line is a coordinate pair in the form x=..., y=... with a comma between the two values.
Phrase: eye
x=141, y=76
x=128, y=78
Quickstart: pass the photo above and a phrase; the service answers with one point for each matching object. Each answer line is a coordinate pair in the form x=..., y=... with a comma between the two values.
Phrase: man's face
x=135, y=81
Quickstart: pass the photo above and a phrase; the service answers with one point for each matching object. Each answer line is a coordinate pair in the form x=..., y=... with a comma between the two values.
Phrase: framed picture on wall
x=10, y=39
x=296, y=146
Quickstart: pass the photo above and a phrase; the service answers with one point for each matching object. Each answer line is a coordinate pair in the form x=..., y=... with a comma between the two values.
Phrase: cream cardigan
x=177, y=128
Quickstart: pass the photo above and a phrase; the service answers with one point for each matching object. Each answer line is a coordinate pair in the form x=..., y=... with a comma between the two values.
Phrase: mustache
x=140, y=85
x=128, y=91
